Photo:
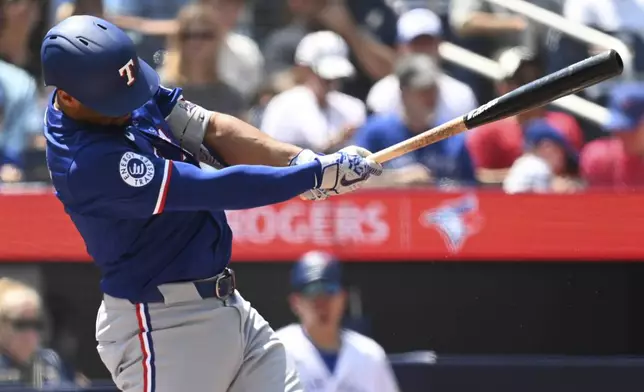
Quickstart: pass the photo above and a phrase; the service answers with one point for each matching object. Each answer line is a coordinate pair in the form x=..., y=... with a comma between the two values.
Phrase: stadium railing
x=490, y=69
x=571, y=29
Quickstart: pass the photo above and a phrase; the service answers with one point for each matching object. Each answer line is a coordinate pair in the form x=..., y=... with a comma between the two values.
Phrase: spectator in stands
x=22, y=360
x=275, y=85
x=65, y=9
x=17, y=21
x=241, y=64
x=485, y=29
x=148, y=21
x=446, y=163
x=191, y=62
x=618, y=161
x=315, y=115
x=543, y=167
x=419, y=31
x=22, y=118
x=327, y=356
x=370, y=49
x=495, y=147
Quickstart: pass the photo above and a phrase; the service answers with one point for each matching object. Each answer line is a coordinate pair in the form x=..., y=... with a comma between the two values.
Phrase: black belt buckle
x=225, y=284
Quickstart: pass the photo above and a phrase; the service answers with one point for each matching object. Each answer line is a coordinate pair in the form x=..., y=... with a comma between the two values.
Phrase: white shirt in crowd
x=362, y=364
x=455, y=98
x=241, y=64
x=529, y=174
x=294, y=116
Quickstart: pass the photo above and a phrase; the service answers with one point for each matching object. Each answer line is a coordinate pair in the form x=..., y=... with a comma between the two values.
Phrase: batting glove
x=306, y=156
x=346, y=170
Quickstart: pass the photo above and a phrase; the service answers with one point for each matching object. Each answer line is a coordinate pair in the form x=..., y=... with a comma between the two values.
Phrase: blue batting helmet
x=95, y=62
x=315, y=273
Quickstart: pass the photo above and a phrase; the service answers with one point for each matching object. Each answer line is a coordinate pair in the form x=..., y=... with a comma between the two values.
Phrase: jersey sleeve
x=122, y=183
x=125, y=184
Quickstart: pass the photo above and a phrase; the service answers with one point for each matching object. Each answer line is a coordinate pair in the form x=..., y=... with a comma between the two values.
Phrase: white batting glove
x=346, y=170
x=306, y=156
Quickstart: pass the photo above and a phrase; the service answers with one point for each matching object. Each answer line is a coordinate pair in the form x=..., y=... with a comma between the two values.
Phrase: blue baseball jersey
x=447, y=159
x=147, y=213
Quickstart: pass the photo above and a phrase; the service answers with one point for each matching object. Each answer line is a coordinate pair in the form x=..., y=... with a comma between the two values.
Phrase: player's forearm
x=237, y=187
x=376, y=58
x=239, y=143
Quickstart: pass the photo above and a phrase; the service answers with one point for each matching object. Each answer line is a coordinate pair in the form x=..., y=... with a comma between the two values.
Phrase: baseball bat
x=569, y=80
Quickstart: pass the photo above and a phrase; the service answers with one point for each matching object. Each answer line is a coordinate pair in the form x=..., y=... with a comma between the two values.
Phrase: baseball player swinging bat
x=569, y=80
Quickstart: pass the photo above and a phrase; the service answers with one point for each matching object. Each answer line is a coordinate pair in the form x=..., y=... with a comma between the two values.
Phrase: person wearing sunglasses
x=327, y=356
x=191, y=61
x=22, y=360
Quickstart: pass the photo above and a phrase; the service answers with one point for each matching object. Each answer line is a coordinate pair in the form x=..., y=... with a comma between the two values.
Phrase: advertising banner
x=420, y=225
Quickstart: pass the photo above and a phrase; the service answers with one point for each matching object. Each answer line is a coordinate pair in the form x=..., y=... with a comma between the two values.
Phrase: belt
x=220, y=286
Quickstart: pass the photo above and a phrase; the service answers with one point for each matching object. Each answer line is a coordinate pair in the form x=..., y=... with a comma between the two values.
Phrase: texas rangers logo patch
x=136, y=170
x=456, y=220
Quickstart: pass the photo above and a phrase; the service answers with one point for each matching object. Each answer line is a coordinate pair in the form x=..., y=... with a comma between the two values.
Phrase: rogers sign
x=312, y=223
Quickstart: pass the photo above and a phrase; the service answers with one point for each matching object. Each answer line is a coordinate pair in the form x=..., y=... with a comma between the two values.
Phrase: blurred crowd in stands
x=326, y=73
x=23, y=359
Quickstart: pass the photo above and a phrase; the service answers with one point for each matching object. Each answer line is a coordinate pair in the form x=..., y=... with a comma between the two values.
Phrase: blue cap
x=96, y=62
x=626, y=107
x=316, y=273
x=540, y=130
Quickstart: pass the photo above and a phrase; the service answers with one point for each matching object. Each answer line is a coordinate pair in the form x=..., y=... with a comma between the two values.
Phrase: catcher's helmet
x=95, y=62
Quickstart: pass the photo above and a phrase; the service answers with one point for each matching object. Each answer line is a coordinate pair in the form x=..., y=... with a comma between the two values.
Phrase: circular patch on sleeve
x=136, y=170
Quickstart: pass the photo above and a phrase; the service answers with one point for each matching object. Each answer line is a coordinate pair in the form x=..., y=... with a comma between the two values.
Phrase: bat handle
x=421, y=140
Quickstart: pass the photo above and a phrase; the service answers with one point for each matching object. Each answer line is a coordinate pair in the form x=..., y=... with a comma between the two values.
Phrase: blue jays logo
x=455, y=220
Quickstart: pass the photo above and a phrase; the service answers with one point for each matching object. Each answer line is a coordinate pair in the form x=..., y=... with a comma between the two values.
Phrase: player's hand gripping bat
x=569, y=80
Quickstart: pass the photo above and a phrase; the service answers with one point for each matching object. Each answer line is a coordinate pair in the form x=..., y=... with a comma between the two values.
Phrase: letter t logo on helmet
x=127, y=71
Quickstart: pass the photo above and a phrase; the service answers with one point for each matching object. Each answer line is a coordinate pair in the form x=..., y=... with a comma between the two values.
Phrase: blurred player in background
x=22, y=361
x=328, y=357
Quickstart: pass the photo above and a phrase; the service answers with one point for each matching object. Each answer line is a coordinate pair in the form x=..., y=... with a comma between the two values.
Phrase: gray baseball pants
x=191, y=344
